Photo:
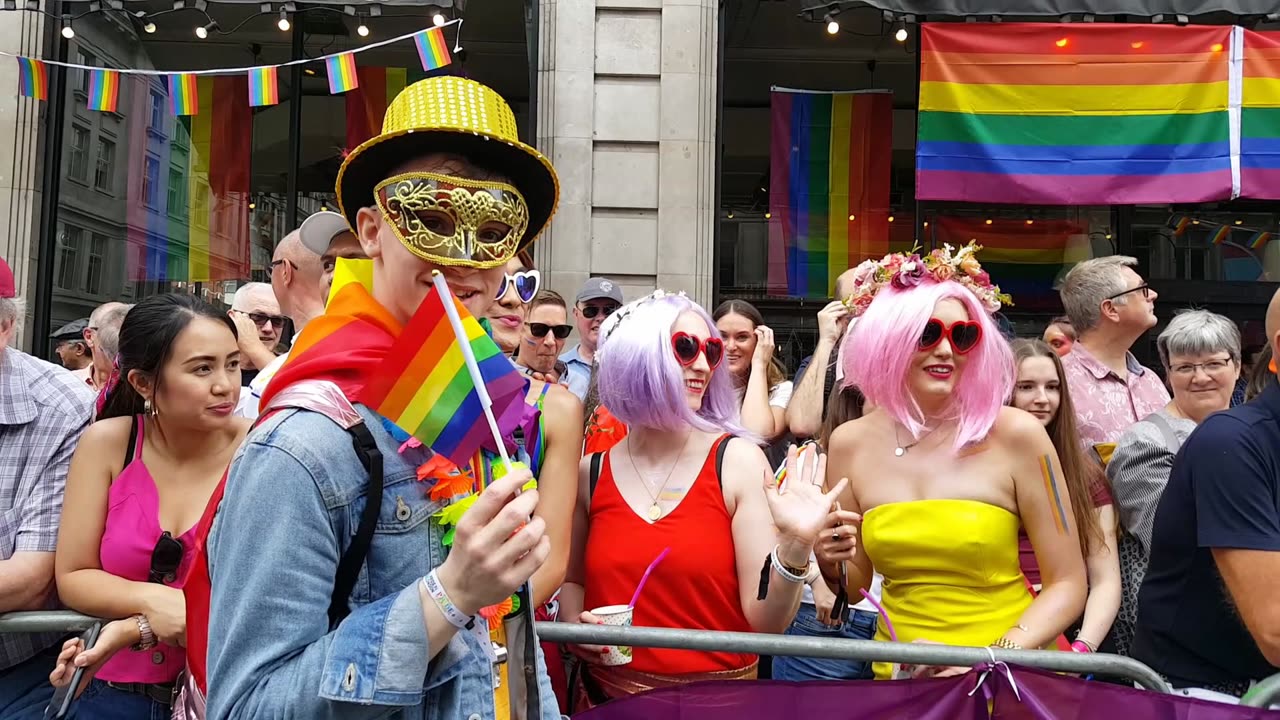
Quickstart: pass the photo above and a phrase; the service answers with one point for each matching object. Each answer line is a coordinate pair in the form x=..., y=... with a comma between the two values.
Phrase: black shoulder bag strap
x=596, y=459
x=349, y=566
x=720, y=450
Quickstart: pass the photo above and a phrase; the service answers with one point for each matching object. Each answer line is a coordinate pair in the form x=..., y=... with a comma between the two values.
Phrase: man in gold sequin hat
x=331, y=579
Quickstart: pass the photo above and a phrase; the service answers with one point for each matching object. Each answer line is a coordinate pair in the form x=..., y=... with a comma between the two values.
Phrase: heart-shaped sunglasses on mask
x=526, y=283
x=687, y=347
x=964, y=335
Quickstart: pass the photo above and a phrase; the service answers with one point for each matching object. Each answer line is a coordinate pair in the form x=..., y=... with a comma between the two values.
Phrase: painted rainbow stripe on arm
x=1051, y=489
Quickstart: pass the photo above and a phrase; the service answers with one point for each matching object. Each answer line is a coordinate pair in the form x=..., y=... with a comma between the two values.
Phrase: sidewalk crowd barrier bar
x=44, y=621
x=846, y=649
x=1264, y=694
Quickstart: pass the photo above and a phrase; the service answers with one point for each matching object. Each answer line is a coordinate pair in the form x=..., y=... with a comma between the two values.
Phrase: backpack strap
x=596, y=459
x=721, y=446
x=323, y=397
x=1171, y=442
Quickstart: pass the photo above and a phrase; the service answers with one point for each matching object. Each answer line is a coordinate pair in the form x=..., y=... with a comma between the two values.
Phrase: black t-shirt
x=247, y=376
x=1223, y=492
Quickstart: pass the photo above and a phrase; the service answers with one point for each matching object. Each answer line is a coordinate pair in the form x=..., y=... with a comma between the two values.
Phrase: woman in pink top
x=139, y=481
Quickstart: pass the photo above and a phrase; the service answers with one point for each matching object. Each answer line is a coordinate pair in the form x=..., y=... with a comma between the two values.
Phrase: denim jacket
x=294, y=495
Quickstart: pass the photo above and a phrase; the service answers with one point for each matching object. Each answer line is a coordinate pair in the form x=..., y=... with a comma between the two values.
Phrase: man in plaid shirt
x=43, y=410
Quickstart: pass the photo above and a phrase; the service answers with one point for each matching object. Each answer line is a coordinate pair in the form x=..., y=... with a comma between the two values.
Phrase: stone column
x=21, y=120
x=627, y=107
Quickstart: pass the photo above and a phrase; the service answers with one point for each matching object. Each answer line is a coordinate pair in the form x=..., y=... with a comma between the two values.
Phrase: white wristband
x=450, y=611
x=782, y=571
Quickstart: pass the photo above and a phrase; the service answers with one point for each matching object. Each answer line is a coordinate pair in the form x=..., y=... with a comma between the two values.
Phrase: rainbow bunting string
x=264, y=87
x=183, y=97
x=1038, y=113
x=33, y=78
x=425, y=389
x=104, y=90
x=1221, y=235
x=342, y=73
x=433, y=51
x=1260, y=240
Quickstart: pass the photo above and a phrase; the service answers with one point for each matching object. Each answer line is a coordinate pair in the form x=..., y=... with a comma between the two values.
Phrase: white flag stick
x=473, y=367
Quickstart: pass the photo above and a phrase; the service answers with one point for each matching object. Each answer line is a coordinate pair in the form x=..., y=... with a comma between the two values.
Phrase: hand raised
x=800, y=509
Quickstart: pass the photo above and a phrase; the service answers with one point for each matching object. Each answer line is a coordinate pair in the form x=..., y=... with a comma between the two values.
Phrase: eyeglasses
x=527, y=283
x=165, y=559
x=276, y=321
x=964, y=335
x=1211, y=367
x=687, y=348
x=591, y=311
x=1144, y=288
x=271, y=266
x=540, y=330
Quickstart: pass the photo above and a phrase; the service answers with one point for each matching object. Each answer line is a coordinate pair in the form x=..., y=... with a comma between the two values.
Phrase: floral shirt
x=1106, y=406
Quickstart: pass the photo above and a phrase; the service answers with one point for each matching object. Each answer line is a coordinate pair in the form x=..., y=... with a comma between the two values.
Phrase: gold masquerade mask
x=454, y=221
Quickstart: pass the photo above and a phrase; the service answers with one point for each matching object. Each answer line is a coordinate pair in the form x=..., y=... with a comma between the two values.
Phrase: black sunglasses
x=1144, y=288
x=525, y=282
x=276, y=321
x=590, y=311
x=165, y=559
x=540, y=330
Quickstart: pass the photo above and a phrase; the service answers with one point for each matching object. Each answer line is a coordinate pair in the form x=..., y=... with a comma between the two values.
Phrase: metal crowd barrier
x=845, y=649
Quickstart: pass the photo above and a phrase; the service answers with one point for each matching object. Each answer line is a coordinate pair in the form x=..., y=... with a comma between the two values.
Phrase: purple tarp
x=1039, y=695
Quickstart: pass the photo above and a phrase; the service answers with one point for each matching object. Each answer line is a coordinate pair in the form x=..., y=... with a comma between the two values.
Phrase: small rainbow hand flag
x=33, y=78
x=104, y=90
x=342, y=73
x=433, y=51
x=424, y=387
x=264, y=87
x=183, y=98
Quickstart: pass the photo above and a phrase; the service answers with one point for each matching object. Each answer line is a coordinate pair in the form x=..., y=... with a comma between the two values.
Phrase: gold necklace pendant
x=655, y=512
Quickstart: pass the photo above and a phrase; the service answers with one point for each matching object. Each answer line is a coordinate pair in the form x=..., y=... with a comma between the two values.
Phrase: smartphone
x=65, y=696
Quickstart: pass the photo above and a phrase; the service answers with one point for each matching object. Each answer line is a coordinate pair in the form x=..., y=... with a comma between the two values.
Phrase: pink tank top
x=128, y=539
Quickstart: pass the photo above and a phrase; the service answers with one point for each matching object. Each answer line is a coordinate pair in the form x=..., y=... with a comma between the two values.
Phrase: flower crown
x=903, y=270
x=621, y=313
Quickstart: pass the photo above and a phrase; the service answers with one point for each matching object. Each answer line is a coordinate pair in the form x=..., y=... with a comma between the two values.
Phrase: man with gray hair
x=1111, y=307
x=256, y=313
x=43, y=410
x=103, y=335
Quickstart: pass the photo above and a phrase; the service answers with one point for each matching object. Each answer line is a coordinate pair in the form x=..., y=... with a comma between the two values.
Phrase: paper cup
x=618, y=615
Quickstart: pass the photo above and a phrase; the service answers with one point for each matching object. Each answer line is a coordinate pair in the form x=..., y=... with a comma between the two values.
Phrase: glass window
x=103, y=172
x=68, y=252
x=78, y=159
x=177, y=200
x=96, y=262
x=157, y=112
x=84, y=57
x=151, y=182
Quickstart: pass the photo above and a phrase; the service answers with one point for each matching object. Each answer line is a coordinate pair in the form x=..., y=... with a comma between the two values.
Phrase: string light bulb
x=149, y=28
x=901, y=34
x=833, y=26
x=768, y=216
x=67, y=31
x=202, y=32
x=438, y=20
x=362, y=30
x=890, y=218
x=283, y=24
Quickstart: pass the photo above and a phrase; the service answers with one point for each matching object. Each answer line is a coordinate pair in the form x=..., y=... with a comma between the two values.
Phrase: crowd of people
x=261, y=544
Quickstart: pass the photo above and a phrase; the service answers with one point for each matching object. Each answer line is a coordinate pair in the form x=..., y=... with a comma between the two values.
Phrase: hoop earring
x=149, y=409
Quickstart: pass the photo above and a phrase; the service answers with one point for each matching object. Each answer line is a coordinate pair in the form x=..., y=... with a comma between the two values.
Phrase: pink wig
x=641, y=382
x=884, y=342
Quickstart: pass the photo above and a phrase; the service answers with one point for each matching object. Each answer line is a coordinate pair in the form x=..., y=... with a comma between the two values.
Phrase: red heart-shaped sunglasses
x=687, y=347
x=964, y=335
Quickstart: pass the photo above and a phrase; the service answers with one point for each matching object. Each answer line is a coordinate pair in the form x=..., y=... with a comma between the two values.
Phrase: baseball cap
x=317, y=231
x=597, y=288
x=7, y=288
x=73, y=330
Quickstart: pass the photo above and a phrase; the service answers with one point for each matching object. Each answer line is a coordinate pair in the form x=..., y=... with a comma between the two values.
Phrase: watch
x=148, y=640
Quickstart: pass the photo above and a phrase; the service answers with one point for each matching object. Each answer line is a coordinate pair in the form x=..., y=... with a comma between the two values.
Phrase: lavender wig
x=884, y=342
x=641, y=382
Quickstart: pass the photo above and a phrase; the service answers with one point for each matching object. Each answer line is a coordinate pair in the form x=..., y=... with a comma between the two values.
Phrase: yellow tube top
x=950, y=569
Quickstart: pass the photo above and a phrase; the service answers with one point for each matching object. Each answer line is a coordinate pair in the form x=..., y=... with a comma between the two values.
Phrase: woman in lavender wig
x=689, y=485
x=941, y=474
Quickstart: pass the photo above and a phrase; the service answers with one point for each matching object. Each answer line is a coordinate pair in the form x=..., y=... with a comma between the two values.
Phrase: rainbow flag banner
x=264, y=86
x=33, y=78
x=342, y=73
x=1260, y=116
x=433, y=51
x=1025, y=260
x=828, y=186
x=424, y=387
x=1081, y=114
x=183, y=97
x=104, y=90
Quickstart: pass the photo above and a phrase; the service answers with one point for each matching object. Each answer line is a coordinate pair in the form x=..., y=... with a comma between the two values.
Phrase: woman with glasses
x=139, y=481
x=941, y=475
x=681, y=487
x=1200, y=351
x=757, y=374
x=507, y=313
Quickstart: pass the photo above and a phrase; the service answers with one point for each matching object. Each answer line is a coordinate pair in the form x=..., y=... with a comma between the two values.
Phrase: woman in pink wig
x=941, y=474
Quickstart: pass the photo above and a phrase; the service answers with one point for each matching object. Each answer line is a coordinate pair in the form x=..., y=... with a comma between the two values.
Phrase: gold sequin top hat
x=458, y=116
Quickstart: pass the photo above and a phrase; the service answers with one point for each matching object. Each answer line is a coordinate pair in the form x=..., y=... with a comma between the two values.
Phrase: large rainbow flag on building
x=829, y=161
x=1042, y=113
x=1260, y=116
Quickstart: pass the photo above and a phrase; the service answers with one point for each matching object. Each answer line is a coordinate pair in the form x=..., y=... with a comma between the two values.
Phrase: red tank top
x=197, y=591
x=695, y=587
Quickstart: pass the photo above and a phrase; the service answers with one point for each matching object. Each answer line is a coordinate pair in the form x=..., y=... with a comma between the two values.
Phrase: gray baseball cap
x=597, y=288
x=318, y=230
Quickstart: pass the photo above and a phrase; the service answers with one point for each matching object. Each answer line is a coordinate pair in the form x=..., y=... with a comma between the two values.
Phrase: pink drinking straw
x=888, y=624
x=645, y=578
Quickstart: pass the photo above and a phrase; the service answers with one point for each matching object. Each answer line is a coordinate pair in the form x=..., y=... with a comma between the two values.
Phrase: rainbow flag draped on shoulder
x=1041, y=113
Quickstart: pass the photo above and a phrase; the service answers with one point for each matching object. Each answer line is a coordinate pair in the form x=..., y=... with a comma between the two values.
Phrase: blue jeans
x=100, y=701
x=859, y=626
x=25, y=691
